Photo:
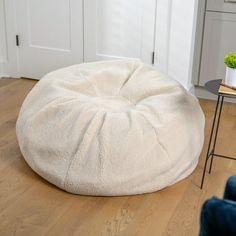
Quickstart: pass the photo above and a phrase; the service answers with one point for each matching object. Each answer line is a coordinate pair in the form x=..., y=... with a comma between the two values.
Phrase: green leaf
x=230, y=60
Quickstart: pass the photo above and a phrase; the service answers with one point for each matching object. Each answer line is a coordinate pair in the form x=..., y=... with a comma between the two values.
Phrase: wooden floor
x=31, y=206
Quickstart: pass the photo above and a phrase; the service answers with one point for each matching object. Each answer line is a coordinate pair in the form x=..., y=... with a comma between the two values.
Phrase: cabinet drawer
x=221, y=5
x=219, y=39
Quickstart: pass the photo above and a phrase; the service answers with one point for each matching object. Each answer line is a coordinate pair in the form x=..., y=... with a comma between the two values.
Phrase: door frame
x=166, y=48
x=12, y=59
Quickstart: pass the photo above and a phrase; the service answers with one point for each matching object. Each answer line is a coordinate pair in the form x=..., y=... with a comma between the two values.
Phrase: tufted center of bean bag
x=110, y=128
x=113, y=103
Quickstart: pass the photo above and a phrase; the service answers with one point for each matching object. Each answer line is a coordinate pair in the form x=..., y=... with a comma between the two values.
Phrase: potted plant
x=230, y=77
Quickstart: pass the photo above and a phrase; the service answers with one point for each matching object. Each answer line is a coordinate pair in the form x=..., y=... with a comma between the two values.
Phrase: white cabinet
x=50, y=35
x=219, y=39
x=222, y=5
x=121, y=28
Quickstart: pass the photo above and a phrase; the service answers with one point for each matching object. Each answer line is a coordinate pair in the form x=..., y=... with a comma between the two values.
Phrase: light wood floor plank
x=6, y=81
x=31, y=206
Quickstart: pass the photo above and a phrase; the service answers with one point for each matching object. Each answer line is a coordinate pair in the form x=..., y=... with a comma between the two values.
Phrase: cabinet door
x=219, y=39
x=221, y=5
x=119, y=28
x=50, y=35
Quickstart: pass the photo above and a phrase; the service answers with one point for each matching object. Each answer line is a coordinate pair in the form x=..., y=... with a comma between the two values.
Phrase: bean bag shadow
x=110, y=128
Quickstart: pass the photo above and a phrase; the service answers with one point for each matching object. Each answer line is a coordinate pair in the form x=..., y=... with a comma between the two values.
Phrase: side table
x=214, y=86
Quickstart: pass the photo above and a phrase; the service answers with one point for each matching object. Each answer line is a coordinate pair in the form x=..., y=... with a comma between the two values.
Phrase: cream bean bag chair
x=110, y=128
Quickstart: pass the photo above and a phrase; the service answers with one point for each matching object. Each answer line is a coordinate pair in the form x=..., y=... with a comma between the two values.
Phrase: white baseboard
x=2, y=70
x=192, y=89
x=4, y=76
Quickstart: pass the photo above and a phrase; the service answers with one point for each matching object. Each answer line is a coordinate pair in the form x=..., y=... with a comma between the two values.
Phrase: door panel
x=44, y=18
x=51, y=35
x=119, y=28
x=219, y=39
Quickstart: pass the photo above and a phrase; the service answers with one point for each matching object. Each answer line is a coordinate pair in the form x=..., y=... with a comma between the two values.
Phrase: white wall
x=175, y=38
x=3, y=44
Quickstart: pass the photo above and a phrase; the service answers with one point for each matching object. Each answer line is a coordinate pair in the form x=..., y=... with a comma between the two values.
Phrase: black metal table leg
x=209, y=154
x=216, y=134
x=214, y=87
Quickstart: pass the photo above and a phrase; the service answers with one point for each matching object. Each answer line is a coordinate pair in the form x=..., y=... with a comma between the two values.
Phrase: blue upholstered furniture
x=218, y=216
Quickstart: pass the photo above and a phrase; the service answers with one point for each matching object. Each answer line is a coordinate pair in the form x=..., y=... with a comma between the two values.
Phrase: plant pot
x=230, y=77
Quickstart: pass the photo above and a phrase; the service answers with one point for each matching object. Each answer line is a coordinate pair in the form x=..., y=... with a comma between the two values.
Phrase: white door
x=219, y=39
x=119, y=28
x=50, y=35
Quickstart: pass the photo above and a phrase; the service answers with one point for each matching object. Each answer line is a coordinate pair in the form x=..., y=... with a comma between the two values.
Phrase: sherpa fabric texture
x=110, y=128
